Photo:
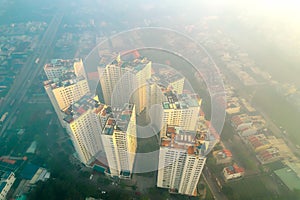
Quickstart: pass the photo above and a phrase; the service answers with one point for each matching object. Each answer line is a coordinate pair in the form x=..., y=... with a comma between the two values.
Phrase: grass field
x=255, y=187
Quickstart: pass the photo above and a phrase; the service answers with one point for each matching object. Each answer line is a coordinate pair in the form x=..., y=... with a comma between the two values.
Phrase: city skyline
x=149, y=100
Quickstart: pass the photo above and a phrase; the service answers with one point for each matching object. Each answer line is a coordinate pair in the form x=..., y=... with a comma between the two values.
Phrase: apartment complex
x=157, y=86
x=124, y=81
x=120, y=142
x=180, y=110
x=84, y=122
x=58, y=67
x=95, y=129
x=66, y=84
x=109, y=128
x=181, y=160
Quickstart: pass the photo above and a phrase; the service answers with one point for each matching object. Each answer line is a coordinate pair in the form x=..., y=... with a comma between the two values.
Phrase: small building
x=7, y=179
x=269, y=155
x=233, y=172
x=240, y=122
x=258, y=142
x=223, y=156
x=252, y=130
x=233, y=106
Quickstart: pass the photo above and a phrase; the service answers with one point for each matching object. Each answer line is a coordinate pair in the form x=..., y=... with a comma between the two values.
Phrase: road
x=212, y=184
x=14, y=99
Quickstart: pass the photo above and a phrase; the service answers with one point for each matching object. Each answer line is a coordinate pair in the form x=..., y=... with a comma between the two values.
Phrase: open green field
x=255, y=187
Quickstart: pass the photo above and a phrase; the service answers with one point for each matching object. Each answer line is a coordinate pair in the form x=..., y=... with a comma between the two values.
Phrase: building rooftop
x=289, y=178
x=83, y=105
x=180, y=101
x=257, y=141
x=165, y=77
x=61, y=63
x=119, y=119
x=194, y=142
x=132, y=65
x=66, y=80
x=234, y=169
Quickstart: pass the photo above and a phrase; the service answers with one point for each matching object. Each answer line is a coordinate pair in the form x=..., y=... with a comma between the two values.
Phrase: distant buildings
x=252, y=129
x=7, y=179
x=247, y=125
x=258, y=142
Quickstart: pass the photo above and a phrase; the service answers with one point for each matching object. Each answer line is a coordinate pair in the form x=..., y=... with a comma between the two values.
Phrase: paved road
x=14, y=98
x=212, y=184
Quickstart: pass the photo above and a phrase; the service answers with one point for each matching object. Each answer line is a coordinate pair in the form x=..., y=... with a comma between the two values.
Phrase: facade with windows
x=181, y=160
x=84, y=122
x=124, y=81
x=180, y=110
x=120, y=142
x=67, y=84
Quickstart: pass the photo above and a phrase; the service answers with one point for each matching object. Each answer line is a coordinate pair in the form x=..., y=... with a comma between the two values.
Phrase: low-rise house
x=223, y=156
x=233, y=172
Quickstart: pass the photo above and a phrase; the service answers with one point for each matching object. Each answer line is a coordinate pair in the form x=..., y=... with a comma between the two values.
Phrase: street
x=14, y=99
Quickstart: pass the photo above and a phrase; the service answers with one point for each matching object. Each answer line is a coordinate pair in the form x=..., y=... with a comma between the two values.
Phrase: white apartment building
x=180, y=110
x=63, y=94
x=67, y=86
x=79, y=69
x=84, y=121
x=58, y=67
x=124, y=81
x=181, y=160
x=120, y=142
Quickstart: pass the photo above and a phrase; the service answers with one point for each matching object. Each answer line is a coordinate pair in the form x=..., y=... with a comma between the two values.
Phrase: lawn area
x=254, y=187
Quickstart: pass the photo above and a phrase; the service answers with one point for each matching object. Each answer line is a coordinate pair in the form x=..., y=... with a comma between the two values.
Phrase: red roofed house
x=233, y=172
